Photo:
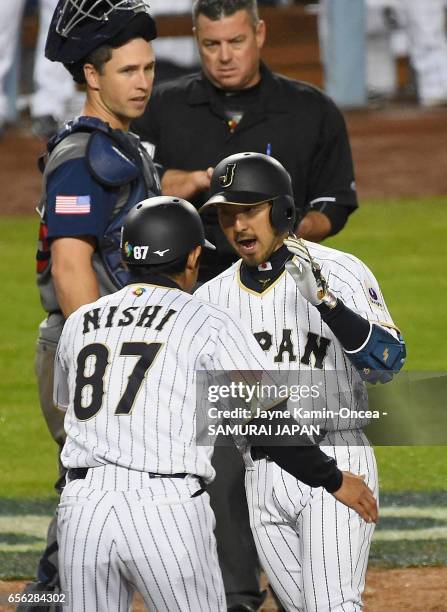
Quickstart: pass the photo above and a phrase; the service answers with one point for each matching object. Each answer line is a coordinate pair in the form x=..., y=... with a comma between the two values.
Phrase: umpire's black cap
x=78, y=28
x=161, y=230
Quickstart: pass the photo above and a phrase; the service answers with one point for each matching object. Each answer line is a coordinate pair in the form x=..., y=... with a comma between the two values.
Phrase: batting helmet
x=161, y=230
x=252, y=178
x=78, y=27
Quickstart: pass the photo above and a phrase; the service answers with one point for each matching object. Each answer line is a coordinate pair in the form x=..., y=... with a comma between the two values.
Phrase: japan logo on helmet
x=226, y=180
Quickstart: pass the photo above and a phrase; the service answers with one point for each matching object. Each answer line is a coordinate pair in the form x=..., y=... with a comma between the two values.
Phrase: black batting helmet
x=78, y=27
x=161, y=230
x=252, y=178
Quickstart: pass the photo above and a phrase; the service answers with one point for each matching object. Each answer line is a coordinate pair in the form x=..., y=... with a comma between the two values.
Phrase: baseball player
x=315, y=310
x=94, y=173
x=134, y=513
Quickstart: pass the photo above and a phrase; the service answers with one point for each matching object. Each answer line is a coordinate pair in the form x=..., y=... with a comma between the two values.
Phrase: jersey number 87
x=100, y=352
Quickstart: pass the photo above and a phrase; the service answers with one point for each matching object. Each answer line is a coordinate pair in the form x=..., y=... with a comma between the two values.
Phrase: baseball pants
x=237, y=552
x=121, y=530
x=428, y=48
x=314, y=549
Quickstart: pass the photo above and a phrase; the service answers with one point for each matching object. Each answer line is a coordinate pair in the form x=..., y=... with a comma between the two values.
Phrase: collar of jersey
x=272, y=97
x=250, y=278
x=152, y=278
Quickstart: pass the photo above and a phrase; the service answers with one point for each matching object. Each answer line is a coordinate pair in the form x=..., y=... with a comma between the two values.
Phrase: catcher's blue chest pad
x=107, y=163
x=94, y=187
x=111, y=155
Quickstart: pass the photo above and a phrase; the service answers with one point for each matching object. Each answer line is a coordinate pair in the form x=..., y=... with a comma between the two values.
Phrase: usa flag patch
x=72, y=205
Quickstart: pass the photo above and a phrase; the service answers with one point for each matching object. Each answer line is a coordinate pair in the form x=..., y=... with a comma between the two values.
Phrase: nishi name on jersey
x=140, y=316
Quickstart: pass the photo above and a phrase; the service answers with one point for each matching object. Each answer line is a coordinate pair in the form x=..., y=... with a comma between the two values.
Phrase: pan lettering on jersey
x=92, y=363
x=137, y=315
x=316, y=346
x=264, y=339
x=286, y=346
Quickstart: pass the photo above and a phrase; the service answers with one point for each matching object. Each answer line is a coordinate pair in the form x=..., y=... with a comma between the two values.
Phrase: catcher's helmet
x=252, y=178
x=161, y=230
x=78, y=27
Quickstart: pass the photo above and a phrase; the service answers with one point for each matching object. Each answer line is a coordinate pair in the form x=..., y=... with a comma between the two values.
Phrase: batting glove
x=306, y=272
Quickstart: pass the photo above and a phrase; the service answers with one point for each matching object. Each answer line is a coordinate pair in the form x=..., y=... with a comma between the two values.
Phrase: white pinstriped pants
x=120, y=531
x=313, y=549
x=428, y=47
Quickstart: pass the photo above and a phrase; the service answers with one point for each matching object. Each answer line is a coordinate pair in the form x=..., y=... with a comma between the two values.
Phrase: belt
x=77, y=473
x=81, y=473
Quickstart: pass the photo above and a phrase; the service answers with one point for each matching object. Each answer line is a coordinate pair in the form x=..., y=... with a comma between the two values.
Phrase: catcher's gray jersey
x=313, y=548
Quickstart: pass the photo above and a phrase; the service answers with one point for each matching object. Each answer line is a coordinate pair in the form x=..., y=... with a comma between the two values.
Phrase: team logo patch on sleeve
x=373, y=297
x=138, y=291
x=72, y=205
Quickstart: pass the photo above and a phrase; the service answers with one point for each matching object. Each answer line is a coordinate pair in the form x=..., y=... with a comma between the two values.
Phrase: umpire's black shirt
x=193, y=125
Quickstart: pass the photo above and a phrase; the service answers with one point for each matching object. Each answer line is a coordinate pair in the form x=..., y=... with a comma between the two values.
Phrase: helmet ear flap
x=283, y=213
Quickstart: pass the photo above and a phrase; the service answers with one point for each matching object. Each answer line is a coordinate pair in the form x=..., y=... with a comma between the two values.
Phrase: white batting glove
x=305, y=272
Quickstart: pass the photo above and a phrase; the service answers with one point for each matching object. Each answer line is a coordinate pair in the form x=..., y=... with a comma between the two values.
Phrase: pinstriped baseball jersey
x=290, y=330
x=284, y=323
x=126, y=372
x=313, y=549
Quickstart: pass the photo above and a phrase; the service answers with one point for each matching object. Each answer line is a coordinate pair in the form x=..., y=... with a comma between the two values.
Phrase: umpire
x=237, y=104
x=93, y=173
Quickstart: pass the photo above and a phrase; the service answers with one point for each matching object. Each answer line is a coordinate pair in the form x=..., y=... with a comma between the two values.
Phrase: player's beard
x=264, y=254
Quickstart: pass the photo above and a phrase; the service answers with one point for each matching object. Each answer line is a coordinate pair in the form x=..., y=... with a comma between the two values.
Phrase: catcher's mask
x=251, y=178
x=161, y=230
x=78, y=27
